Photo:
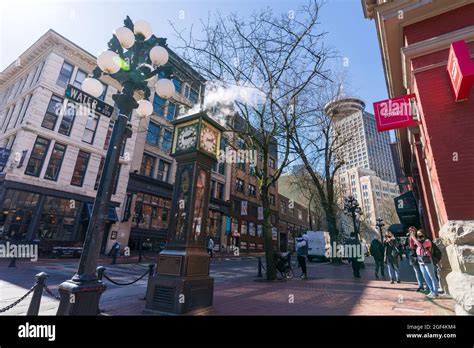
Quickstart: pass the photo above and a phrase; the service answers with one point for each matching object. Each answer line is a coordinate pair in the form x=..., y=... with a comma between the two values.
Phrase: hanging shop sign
x=395, y=113
x=461, y=70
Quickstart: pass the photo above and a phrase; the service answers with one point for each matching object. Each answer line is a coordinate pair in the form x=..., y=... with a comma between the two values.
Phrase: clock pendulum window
x=182, y=282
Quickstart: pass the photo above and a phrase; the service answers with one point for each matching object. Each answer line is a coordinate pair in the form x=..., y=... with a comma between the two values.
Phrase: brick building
x=437, y=154
x=292, y=220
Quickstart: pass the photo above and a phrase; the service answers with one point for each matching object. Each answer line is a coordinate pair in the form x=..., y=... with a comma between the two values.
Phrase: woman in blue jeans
x=391, y=257
x=423, y=252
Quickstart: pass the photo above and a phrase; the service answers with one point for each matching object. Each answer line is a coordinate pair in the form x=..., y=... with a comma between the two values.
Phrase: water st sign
x=461, y=70
x=84, y=99
x=395, y=113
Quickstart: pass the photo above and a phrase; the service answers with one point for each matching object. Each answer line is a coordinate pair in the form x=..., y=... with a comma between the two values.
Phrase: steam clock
x=182, y=282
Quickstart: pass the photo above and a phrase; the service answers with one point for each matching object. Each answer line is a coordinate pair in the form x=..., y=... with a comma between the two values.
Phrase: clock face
x=186, y=138
x=209, y=139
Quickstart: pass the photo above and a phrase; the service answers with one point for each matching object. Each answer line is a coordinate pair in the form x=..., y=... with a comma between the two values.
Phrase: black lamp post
x=351, y=207
x=380, y=225
x=133, y=54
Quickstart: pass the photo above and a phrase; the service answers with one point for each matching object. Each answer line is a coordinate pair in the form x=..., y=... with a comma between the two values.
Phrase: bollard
x=100, y=272
x=151, y=269
x=259, y=274
x=34, y=306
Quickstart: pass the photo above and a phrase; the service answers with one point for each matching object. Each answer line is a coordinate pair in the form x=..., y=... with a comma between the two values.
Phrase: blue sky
x=89, y=23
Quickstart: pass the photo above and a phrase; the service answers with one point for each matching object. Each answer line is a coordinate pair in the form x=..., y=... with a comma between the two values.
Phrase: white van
x=318, y=243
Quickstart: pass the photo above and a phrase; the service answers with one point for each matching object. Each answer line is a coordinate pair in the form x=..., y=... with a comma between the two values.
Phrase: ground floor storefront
x=48, y=217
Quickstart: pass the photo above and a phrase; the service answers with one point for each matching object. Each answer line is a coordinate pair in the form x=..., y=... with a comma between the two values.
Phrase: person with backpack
x=424, y=251
x=412, y=258
x=377, y=252
x=391, y=257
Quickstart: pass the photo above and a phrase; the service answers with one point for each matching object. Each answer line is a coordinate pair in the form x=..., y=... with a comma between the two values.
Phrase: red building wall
x=446, y=127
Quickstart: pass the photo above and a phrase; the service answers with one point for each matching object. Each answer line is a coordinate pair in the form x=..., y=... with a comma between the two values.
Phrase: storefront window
x=16, y=212
x=57, y=219
x=151, y=212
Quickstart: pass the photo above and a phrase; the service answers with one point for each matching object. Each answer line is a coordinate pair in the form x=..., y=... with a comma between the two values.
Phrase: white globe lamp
x=125, y=36
x=109, y=62
x=144, y=28
x=164, y=88
x=159, y=55
x=93, y=87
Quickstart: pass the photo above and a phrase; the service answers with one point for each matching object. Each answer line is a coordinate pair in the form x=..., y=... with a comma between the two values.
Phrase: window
x=163, y=170
x=52, y=112
x=35, y=164
x=153, y=135
x=239, y=185
x=193, y=96
x=7, y=115
x=213, y=189
x=91, y=127
x=158, y=105
x=80, y=168
x=170, y=115
x=220, y=191
x=252, y=190
x=23, y=112
x=104, y=92
x=55, y=162
x=167, y=137
x=271, y=162
x=99, y=173
x=65, y=126
x=241, y=166
x=177, y=85
x=283, y=207
x=65, y=74
x=108, y=135
x=272, y=199
x=38, y=73
x=151, y=212
x=148, y=165
x=80, y=77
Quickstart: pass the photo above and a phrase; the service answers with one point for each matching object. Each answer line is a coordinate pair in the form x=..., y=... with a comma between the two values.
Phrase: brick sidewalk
x=330, y=290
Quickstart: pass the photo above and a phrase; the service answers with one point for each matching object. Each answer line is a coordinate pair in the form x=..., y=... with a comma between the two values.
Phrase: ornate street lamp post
x=351, y=207
x=134, y=58
x=380, y=225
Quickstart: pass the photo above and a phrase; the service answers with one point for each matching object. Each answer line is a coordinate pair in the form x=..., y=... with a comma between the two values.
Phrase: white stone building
x=49, y=182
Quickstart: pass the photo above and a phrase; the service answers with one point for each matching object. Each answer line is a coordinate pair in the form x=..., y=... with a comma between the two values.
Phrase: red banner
x=461, y=70
x=394, y=113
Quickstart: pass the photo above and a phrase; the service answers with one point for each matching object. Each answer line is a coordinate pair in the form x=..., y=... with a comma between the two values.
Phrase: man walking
x=115, y=251
x=377, y=252
x=210, y=246
x=302, y=252
x=357, y=254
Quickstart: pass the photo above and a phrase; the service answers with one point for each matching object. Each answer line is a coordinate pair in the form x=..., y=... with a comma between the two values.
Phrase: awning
x=112, y=215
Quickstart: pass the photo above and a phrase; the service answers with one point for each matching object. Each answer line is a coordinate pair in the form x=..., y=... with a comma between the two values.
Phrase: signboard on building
x=461, y=70
x=395, y=113
x=4, y=155
x=84, y=99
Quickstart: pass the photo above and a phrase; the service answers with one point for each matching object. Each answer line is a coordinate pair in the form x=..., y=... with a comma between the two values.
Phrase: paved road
x=14, y=282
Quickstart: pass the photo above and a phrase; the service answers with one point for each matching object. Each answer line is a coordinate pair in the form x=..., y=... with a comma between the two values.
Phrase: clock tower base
x=182, y=283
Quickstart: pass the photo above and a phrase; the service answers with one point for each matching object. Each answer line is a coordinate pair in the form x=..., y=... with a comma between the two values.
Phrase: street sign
x=82, y=98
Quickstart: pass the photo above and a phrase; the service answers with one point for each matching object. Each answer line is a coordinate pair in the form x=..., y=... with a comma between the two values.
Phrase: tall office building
x=361, y=144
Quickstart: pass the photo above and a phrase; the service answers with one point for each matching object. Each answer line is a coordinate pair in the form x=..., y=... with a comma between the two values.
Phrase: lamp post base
x=80, y=298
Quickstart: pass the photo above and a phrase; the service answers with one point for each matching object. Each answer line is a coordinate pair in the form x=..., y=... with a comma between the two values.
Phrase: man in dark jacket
x=377, y=252
x=302, y=253
x=357, y=254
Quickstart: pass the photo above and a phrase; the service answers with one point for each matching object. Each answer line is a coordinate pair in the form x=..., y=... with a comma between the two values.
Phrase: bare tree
x=319, y=144
x=261, y=64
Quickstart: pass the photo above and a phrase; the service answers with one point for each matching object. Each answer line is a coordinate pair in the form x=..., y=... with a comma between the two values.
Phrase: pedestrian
x=414, y=261
x=391, y=257
x=424, y=250
x=356, y=254
x=302, y=252
x=115, y=251
x=377, y=252
x=210, y=246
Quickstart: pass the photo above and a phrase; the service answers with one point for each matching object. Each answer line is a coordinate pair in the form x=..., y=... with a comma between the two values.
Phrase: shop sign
x=461, y=70
x=395, y=113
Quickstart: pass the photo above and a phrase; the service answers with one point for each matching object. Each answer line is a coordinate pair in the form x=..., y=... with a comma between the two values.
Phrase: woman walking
x=391, y=257
x=424, y=250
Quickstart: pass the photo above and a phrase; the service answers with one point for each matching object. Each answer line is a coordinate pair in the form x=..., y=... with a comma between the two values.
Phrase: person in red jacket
x=423, y=252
